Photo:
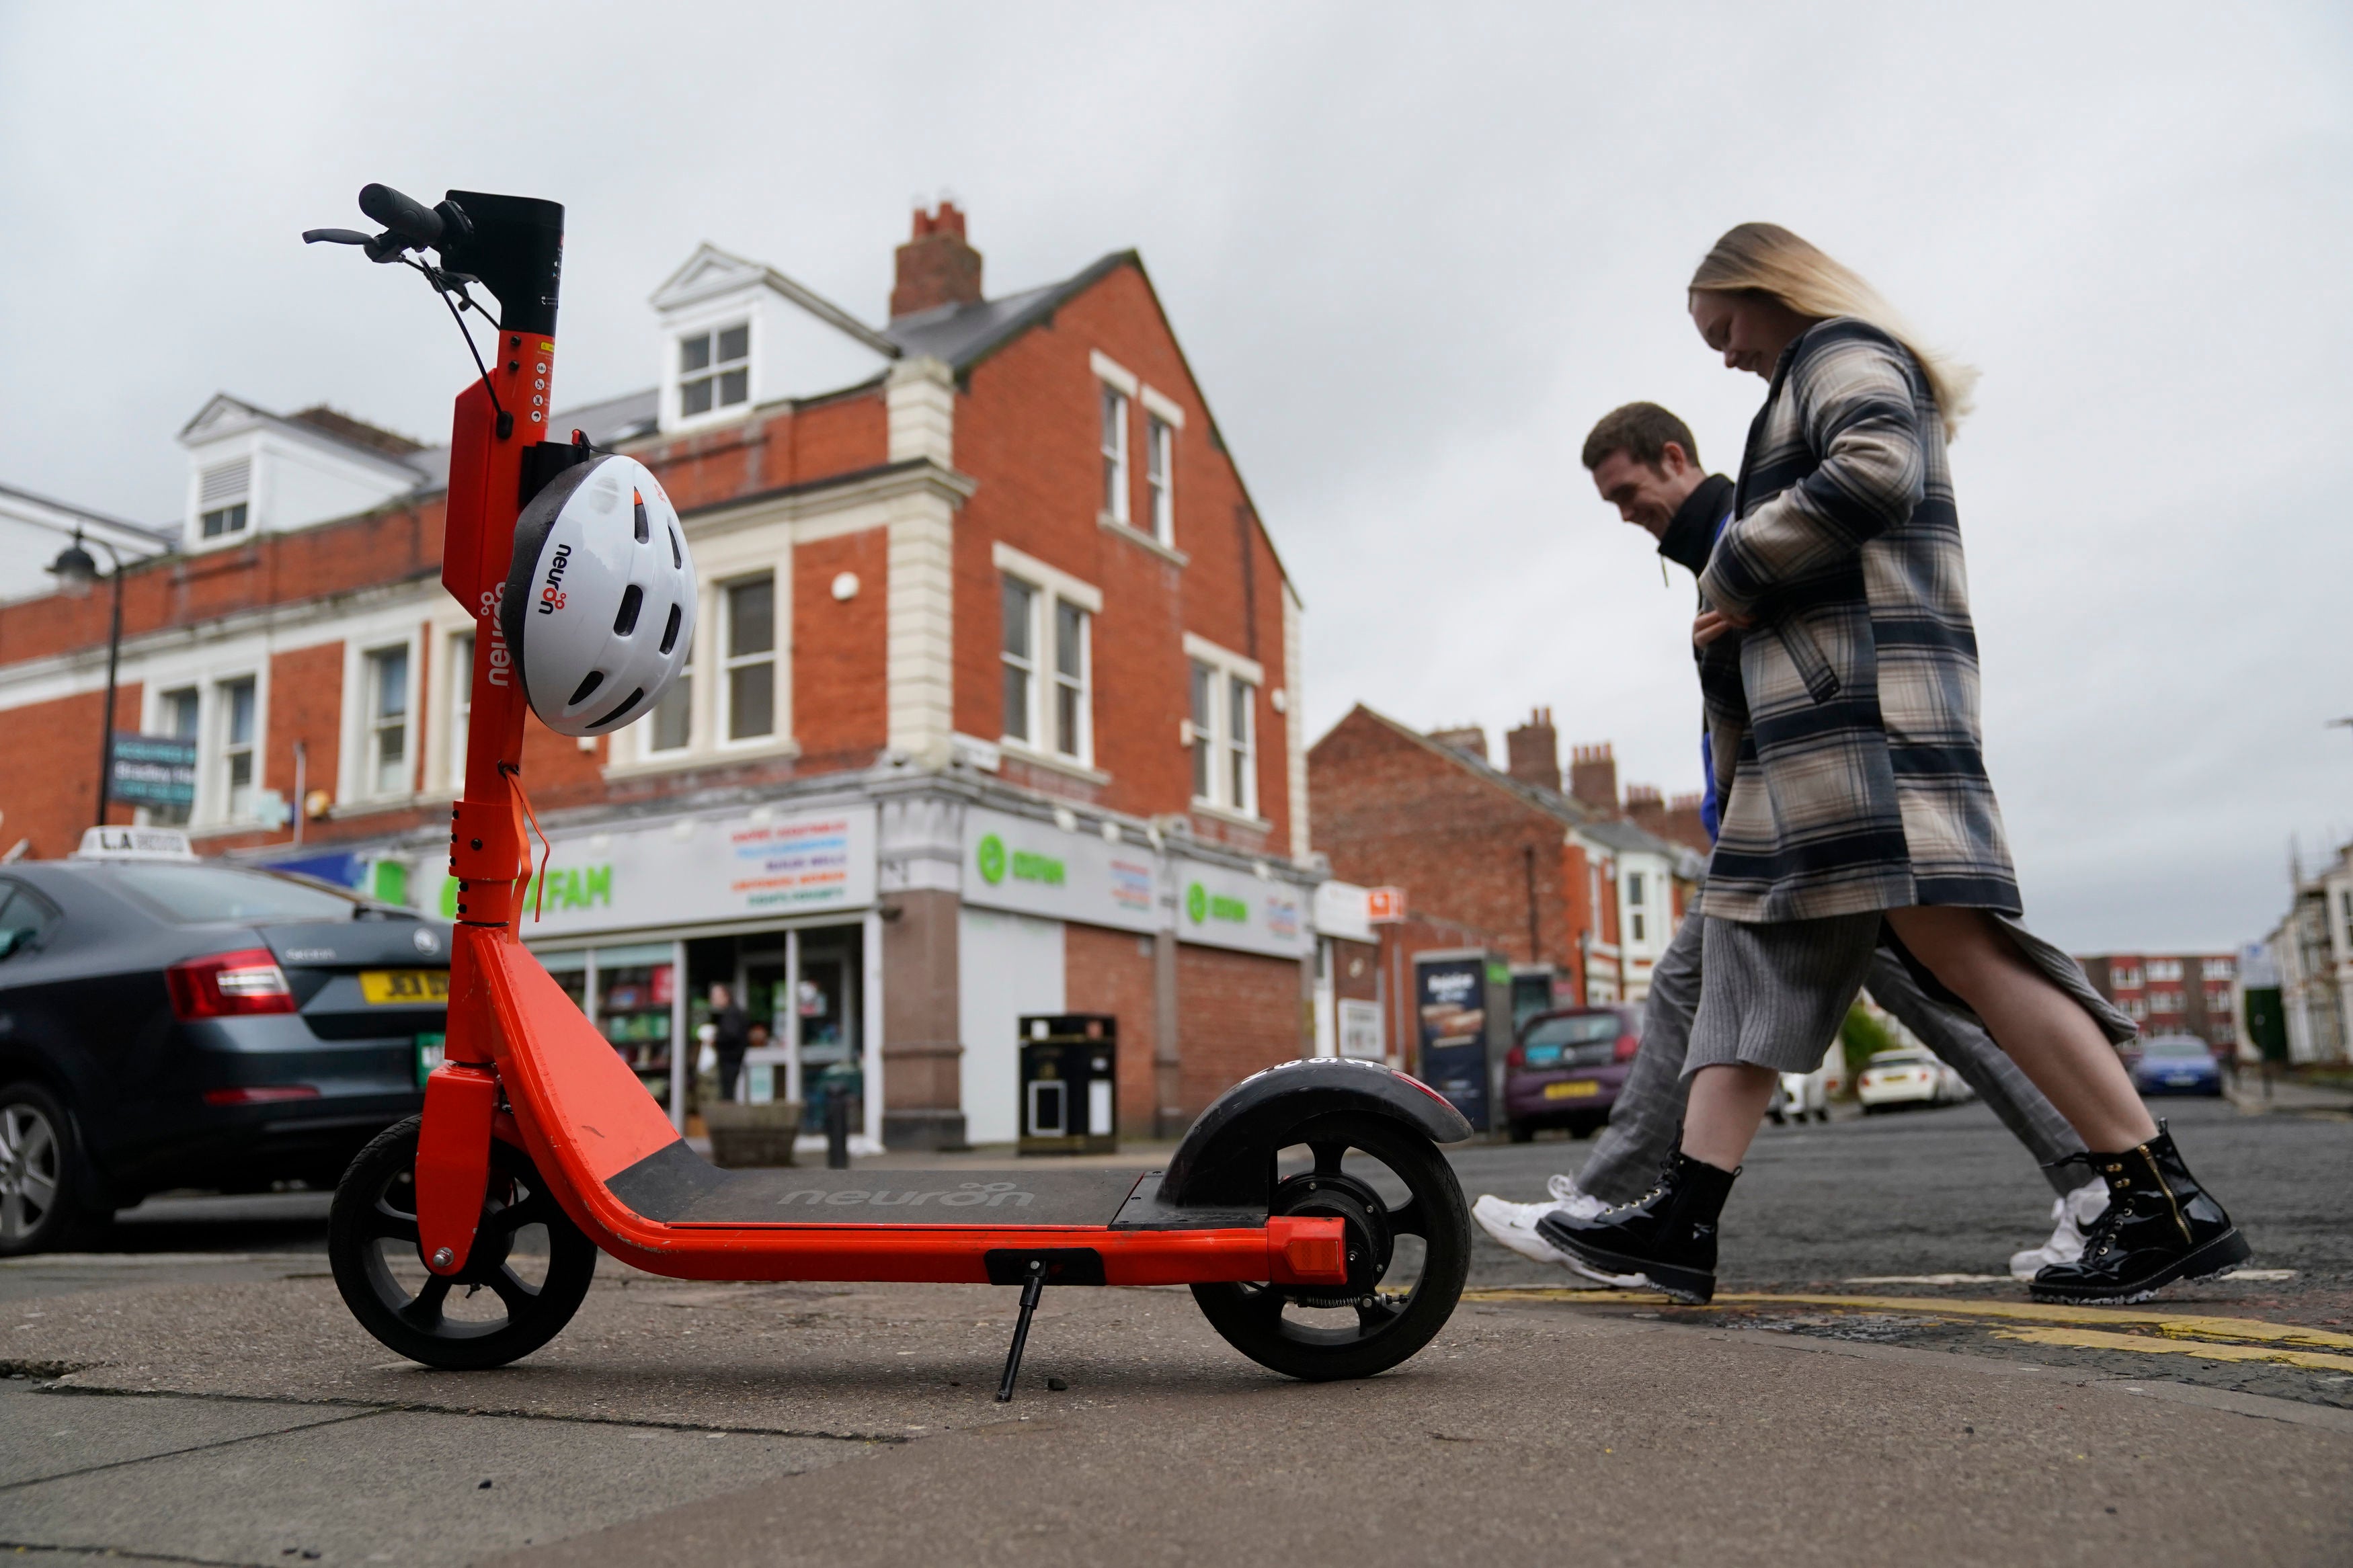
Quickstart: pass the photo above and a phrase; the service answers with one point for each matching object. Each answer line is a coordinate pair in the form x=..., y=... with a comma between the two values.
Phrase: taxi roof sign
x=134, y=844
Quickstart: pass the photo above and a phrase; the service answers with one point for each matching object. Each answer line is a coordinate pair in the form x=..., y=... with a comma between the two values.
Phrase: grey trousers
x=1647, y=1121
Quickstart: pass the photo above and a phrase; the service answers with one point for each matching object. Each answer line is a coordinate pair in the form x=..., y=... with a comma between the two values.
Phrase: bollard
x=836, y=1130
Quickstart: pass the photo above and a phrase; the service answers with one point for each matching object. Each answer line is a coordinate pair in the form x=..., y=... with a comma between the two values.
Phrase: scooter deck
x=676, y=1186
x=626, y=1177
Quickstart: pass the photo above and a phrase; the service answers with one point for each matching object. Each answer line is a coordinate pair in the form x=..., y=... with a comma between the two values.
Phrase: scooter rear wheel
x=532, y=1261
x=1362, y=1329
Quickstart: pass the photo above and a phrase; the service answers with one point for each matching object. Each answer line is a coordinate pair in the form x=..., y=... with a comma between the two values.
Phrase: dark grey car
x=189, y=1023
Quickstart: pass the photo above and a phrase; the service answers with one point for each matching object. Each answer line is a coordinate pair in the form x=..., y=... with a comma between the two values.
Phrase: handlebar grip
x=412, y=221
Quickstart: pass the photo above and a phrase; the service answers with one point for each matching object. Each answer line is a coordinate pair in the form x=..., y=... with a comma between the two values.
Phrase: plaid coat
x=1844, y=724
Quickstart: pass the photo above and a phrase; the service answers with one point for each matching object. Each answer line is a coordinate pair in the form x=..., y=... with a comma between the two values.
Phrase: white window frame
x=724, y=702
x=219, y=801
x=236, y=498
x=1162, y=420
x=1115, y=383
x=1229, y=667
x=372, y=723
x=457, y=680
x=1050, y=586
x=713, y=370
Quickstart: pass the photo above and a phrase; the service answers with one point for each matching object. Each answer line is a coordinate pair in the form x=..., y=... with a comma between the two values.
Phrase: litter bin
x=1069, y=1084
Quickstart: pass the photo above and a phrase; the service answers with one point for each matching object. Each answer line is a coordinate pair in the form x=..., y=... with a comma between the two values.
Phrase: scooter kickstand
x=1031, y=1288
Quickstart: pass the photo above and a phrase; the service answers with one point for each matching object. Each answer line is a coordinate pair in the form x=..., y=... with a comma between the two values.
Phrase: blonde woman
x=1840, y=667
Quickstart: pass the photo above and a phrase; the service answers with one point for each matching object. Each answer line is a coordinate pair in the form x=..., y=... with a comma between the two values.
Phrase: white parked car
x=1803, y=1095
x=1895, y=1079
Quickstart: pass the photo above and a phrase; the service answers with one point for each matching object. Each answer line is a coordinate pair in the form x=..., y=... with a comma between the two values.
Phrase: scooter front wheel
x=527, y=1274
x=1410, y=1251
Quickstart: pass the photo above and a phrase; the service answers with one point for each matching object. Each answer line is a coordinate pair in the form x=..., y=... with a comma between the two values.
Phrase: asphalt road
x=198, y=1394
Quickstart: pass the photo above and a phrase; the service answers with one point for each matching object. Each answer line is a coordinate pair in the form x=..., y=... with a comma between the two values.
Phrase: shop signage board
x=697, y=870
x=1220, y=907
x=1343, y=911
x=153, y=770
x=1035, y=868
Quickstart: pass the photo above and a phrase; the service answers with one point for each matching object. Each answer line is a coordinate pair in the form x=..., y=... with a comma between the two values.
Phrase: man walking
x=731, y=1034
x=1645, y=463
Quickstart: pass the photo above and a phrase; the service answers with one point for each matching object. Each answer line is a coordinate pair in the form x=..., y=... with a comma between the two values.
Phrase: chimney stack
x=1533, y=750
x=937, y=267
x=1468, y=739
x=1593, y=777
x=1646, y=808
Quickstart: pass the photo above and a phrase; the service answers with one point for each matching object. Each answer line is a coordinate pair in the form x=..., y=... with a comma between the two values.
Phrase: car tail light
x=261, y=1094
x=228, y=985
x=1515, y=1059
x=1626, y=1045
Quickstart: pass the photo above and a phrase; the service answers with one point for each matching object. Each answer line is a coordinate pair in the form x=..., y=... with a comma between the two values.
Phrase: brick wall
x=1110, y=972
x=306, y=704
x=1237, y=1012
x=1029, y=430
x=838, y=649
x=1392, y=811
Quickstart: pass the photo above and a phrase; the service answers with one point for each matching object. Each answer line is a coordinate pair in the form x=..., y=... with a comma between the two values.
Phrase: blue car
x=2176, y=1064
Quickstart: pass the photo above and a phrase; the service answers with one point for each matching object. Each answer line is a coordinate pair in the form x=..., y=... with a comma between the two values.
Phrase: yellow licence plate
x=405, y=988
x=1575, y=1088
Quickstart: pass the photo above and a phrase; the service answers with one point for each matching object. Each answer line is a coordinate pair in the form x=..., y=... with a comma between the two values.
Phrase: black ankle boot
x=2159, y=1225
x=1667, y=1237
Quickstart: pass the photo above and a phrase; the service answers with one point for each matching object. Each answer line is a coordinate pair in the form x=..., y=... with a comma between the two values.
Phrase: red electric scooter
x=467, y=1237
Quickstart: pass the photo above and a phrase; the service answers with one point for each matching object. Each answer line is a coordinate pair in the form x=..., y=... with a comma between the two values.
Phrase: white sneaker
x=1515, y=1225
x=2073, y=1214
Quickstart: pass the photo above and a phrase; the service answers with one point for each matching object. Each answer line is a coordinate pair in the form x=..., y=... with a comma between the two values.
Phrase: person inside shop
x=731, y=1036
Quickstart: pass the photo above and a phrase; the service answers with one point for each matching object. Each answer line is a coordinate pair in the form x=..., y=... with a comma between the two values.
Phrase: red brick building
x=2172, y=993
x=1492, y=858
x=991, y=639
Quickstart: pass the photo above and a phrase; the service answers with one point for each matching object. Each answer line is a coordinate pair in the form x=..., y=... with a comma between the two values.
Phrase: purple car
x=1566, y=1068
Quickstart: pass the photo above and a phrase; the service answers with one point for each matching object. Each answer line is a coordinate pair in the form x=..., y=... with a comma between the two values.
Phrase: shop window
x=714, y=369
x=1114, y=453
x=750, y=658
x=388, y=721
x=234, y=768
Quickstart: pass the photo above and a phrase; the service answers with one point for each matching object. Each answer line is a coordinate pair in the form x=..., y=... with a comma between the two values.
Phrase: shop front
x=638, y=920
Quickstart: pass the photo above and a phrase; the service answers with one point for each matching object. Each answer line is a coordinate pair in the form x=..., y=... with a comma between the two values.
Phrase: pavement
x=1868, y=1388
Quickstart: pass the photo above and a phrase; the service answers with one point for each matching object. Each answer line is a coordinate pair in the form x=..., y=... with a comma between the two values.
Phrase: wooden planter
x=745, y=1136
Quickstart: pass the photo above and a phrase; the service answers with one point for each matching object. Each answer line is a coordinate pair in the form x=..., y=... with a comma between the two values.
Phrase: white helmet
x=600, y=607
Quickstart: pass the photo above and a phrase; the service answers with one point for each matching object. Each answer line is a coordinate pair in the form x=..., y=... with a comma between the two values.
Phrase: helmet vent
x=587, y=689
x=669, y=632
x=645, y=531
x=614, y=717
x=677, y=552
x=631, y=601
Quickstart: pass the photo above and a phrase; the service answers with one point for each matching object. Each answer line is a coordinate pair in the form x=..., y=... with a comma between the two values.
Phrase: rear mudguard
x=1226, y=1160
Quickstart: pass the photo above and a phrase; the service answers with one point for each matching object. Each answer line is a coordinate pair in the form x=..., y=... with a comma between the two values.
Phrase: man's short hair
x=1642, y=431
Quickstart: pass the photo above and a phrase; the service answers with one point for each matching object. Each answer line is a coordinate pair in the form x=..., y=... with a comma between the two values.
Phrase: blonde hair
x=1766, y=258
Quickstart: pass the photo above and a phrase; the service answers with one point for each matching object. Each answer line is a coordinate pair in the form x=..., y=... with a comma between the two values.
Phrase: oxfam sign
x=990, y=858
x=1201, y=906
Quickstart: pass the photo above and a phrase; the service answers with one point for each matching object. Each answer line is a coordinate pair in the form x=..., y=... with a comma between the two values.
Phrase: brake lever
x=333, y=236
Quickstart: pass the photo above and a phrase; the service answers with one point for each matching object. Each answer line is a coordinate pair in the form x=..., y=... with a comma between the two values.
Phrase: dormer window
x=223, y=494
x=714, y=369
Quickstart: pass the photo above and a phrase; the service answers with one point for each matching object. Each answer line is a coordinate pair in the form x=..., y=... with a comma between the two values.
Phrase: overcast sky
x=1413, y=252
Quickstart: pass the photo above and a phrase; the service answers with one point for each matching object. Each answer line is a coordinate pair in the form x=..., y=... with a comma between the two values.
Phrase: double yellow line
x=2079, y=1327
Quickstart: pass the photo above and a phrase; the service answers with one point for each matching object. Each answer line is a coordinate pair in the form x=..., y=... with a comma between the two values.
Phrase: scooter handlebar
x=413, y=221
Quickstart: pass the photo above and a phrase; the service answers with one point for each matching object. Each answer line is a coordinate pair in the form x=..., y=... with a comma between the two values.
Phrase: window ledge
x=368, y=807
x=1136, y=536
x=1228, y=813
x=1052, y=761
x=708, y=757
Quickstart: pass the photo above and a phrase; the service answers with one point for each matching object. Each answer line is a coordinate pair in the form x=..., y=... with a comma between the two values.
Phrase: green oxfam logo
x=1203, y=905
x=990, y=857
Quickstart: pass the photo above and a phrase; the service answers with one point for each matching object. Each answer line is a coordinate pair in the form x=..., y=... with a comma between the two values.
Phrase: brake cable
x=446, y=285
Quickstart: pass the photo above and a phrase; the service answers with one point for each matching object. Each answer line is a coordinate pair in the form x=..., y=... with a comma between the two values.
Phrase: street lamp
x=75, y=571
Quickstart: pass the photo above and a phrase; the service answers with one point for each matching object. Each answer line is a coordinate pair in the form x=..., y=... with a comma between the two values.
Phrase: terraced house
x=990, y=711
